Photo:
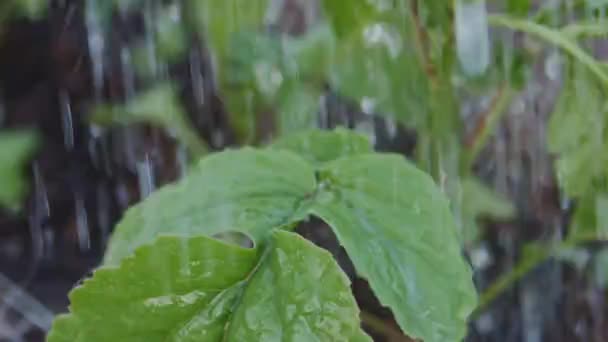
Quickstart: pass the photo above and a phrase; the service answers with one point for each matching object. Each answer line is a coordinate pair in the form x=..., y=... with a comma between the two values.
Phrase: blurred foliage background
x=503, y=102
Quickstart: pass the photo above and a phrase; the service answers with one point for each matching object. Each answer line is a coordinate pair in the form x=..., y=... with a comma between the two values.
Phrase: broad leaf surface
x=319, y=147
x=399, y=232
x=247, y=190
x=16, y=147
x=200, y=289
x=299, y=293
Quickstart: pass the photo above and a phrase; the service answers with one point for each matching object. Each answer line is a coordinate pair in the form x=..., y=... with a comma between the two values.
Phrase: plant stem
x=524, y=266
x=488, y=123
x=552, y=36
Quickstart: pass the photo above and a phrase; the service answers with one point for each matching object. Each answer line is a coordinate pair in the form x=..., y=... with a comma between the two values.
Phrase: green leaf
x=176, y=289
x=200, y=289
x=16, y=148
x=299, y=293
x=158, y=106
x=519, y=7
x=379, y=68
x=319, y=147
x=249, y=191
x=346, y=18
x=590, y=218
x=478, y=200
x=575, y=132
x=298, y=108
x=399, y=232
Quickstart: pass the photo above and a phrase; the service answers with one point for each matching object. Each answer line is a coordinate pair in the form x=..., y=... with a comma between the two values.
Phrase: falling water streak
x=103, y=214
x=39, y=213
x=67, y=120
x=29, y=307
x=472, y=36
x=150, y=39
x=96, y=44
x=196, y=76
x=145, y=177
x=82, y=224
x=128, y=76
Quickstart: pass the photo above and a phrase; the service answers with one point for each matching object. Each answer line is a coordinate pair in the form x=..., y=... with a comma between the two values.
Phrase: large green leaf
x=299, y=293
x=320, y=147
x=200, y=289
x=250, y=191
x=176, y=289
x=16, y=147
x=399, y=232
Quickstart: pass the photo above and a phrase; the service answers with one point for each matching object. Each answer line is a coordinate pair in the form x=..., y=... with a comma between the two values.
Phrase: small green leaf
x=16, y=148
x=319, y=147
x=157, y=106
x=249, y=191
x=380, y=69
x=478, y=200
x=200, y=289
x=298, y=108
x=400, y=234
x=348, y=18
x=519, y=7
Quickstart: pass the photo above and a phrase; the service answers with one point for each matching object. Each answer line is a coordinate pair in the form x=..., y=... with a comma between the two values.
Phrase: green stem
x=525, y=266
x=552, y=36
x=490, y=122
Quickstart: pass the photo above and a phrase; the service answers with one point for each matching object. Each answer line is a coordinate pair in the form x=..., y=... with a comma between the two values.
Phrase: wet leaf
x=391, y=218
x=298, y=293
x=16, y=148
x=249, y=191
x=399, y=232
x=319, y=147
x=175, y=289
x=200, y=289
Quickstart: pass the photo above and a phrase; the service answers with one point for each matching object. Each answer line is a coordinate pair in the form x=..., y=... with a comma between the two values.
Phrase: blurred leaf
x=346, y=18
x=249, y=191
x=379, y=68
x=320, y=147
x=199, y=289
x=16, y=148
x=600, y=269
x=478, y=200
x=576, y=131
x=590, y=218
x=398, y=230
x=158, y=106
x=519, y=7
x=298, y=108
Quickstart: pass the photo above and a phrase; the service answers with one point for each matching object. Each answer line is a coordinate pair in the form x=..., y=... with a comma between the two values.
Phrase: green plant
x=165, y=277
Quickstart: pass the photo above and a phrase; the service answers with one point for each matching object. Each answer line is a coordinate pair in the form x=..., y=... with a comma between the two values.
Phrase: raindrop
x=82, y=224
x=103, y=213
x=196, y=76
x=472, y=37
x=553, y=66
x=96, y=44
x=67, y=120
x=145, y=177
